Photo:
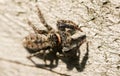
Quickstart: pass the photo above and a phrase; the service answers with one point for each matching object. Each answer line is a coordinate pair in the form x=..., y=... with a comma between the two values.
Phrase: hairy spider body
x=53, y=41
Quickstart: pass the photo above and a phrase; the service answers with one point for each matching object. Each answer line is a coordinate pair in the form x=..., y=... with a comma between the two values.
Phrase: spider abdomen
x=36, y=42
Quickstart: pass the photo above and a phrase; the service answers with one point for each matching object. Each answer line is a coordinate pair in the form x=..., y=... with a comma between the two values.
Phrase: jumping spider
x=57, y=44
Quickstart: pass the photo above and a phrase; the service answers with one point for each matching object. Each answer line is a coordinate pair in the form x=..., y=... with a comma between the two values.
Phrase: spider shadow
x=50, y=56
x=72, y=60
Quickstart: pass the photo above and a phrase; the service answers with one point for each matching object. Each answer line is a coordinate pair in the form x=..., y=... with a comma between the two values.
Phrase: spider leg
x=34, y=54
x=37, y=53
x=31, y=60
x=42, y=19
x=78, y=42
x=36, y=30
x=63, y=24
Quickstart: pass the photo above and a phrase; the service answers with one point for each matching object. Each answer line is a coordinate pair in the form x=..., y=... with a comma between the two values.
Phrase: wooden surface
x=100, y=21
